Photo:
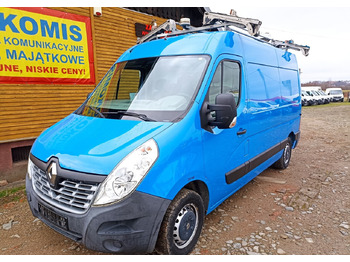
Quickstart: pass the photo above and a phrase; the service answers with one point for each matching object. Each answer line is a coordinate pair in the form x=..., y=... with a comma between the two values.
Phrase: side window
x=226, y=80
x=231, y=79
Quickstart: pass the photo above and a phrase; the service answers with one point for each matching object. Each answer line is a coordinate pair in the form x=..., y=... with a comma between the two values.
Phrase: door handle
x=241, y=132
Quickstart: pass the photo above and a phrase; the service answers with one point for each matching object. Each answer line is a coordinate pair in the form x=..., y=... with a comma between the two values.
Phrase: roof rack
x=250, y=24
x=287, y=44
x=216, y=21
x=168, y=26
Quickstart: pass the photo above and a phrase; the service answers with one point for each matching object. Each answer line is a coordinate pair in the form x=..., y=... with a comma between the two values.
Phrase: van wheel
x=182, y=224
x=283, y=162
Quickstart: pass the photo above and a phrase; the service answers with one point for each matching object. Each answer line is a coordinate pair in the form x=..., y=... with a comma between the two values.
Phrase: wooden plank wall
x=26, y=110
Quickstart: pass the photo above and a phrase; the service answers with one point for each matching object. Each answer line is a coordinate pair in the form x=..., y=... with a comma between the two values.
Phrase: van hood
x=93, y=145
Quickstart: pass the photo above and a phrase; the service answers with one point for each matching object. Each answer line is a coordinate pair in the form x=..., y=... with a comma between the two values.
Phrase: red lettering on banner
x=42, y=69
x=9, y=68
x=72, y=71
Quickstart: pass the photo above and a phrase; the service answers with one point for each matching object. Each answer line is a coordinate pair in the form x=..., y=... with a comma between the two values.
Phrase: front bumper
x=337, y=99
x=128, y=227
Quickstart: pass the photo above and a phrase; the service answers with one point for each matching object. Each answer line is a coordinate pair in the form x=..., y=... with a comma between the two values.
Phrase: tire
x=284, y=160
x=182, y=224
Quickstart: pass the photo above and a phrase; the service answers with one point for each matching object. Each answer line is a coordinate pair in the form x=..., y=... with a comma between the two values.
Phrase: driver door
x=225, y=150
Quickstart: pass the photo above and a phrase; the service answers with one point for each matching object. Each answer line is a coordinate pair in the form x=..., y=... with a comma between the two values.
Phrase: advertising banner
x=41, y=46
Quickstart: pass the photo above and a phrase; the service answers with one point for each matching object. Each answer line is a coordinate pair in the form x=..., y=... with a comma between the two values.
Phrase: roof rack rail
x=287, y=44
x=250, y=24
x=167, y=26
x=212, y=21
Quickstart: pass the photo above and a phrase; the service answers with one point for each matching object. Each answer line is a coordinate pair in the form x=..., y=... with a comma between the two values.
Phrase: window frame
x=222, y=77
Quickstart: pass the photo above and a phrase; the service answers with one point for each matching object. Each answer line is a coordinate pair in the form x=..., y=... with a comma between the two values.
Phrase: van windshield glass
x=335, y=92
x=151, y=89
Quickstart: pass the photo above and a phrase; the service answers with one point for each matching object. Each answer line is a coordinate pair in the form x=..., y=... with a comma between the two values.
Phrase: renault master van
x=177, y=125
x=306, y=99
x=336, y=93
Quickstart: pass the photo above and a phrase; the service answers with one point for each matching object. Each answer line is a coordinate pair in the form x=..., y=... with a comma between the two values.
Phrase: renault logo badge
x=51, y=173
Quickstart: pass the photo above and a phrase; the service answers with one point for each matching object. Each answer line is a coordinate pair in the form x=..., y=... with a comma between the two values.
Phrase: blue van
x=175, y=127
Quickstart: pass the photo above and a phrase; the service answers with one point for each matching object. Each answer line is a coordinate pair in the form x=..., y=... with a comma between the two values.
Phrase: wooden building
x=31, y=100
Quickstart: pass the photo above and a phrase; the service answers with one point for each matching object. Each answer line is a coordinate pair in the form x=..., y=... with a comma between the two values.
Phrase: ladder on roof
x=216, y=21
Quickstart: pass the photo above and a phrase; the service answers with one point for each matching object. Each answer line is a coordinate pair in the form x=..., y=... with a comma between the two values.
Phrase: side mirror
x=225, y=111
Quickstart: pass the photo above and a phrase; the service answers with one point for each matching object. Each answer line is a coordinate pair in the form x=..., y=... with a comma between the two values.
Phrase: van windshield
x=151, y=89
x=336, y=92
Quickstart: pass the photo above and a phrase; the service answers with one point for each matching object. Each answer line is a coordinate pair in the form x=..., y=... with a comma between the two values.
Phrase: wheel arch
x=200, y=188
x=295, y=138
x=292, y=137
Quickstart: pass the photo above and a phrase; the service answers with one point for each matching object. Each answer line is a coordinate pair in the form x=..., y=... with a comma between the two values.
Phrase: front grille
x=72, y=196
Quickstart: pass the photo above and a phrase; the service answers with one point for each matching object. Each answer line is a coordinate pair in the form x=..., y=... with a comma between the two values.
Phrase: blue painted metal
x=91, y=144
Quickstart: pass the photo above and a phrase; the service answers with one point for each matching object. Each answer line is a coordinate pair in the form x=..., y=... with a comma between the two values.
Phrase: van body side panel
x=290, y=100
x=269, y=109
x=290, y=93
x=246, y=178
x=258, y=52
x=264, y=107
x=286, y=59
x=273, y=93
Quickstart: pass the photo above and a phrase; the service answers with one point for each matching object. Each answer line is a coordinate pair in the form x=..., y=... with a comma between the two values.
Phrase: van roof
x=214, y=44
x=334, y=88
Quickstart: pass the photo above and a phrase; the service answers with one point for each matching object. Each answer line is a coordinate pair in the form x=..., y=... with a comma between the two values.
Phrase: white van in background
x=318, y=94
x=326, y=98
x=336, y=93
x=306, y=99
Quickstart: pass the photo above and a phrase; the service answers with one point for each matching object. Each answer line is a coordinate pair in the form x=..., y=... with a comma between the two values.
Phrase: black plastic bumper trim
x=127, y=227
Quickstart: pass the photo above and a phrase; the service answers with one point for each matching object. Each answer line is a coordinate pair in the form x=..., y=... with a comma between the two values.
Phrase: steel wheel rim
x=286, y=154
x=186, y=225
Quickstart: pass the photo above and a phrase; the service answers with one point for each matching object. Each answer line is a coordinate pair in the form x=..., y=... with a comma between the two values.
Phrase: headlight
x=128, y=174
x=30, y=168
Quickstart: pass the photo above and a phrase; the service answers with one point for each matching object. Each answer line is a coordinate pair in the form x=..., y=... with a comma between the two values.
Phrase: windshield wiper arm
x=96, y=111
x=126, y=113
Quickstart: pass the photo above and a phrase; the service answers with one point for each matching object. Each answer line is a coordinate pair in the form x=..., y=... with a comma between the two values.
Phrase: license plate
x=53, y=217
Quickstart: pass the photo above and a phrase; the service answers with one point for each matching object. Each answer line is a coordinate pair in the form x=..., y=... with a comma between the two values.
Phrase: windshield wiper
x=96, y=111
x=126, y=113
